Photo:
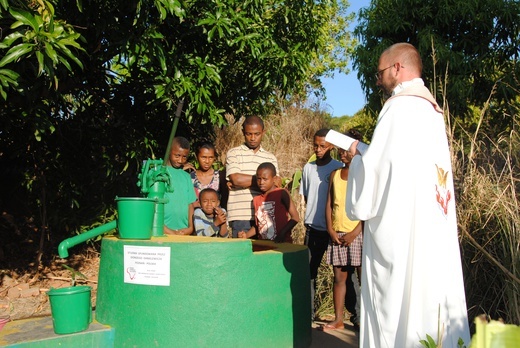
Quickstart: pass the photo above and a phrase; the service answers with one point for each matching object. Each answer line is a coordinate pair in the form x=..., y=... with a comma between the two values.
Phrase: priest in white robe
x=402, y=187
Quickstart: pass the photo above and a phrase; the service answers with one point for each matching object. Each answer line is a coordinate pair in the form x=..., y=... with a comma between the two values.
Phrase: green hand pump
x=155, y=181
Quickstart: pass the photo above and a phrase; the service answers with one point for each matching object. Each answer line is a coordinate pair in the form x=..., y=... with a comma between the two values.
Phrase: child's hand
x=242, y=235
x=347, y=239
x=220, y=216
x=188, y=167
x=335, y=239
x=232, y=187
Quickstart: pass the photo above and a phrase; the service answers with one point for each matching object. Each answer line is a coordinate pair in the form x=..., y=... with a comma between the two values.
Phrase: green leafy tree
x=88, y=89
x=470, y=50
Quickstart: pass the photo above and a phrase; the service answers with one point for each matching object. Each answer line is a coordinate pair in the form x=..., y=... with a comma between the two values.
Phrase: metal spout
x=63, y=248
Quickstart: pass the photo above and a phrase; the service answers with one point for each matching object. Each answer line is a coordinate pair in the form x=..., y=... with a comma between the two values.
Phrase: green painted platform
x=221, y=293
x=38, y=333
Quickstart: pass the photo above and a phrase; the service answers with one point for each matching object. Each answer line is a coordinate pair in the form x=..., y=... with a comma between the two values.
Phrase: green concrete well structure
x=184, y=291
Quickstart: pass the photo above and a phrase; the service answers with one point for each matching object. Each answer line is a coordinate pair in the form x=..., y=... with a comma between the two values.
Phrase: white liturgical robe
x=402, y=187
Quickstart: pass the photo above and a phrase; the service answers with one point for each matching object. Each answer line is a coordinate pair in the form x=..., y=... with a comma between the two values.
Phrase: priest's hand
x=353, y=149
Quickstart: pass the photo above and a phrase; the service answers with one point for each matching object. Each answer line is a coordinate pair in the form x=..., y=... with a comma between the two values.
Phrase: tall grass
x=488, y=182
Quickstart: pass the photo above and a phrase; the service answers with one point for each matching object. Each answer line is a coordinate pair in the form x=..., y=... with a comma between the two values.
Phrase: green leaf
x=49, y=7
x=16, y=53
x=51, y=53
x=79, y=5
x=65, y=63
x=162, y=12
x=9, y=39
x=69, y=42
x=10, y=74
x=24, y=17
x=156, y=35
x=71, y=56
x=431, y=341
x=41, y=60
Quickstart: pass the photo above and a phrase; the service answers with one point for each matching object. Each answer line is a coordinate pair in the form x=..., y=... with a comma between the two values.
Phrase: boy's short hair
x=322, y=133
x=182, y=142
x=209, y=190
x=269, y=166
x=252, y=120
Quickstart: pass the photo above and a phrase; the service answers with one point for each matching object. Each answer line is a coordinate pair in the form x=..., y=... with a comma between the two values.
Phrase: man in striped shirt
x=241, y=164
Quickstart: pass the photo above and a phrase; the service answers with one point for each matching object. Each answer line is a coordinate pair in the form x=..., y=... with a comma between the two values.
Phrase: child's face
x=178, y=156
x=264, y=179
x=206, y=157
x=345, y=156
x=208, y=202
x=321, y=147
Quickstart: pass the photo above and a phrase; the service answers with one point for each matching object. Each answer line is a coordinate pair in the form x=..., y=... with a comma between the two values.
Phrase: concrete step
x=38, y=333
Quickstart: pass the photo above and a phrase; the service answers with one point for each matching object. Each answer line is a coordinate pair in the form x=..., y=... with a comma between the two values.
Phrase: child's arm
x=168, y=230
x=348, y=238
x=294, y=216
x=220, y=221
x=328, y=211
x=239, y=180
x=223, y=230
x=188, y=167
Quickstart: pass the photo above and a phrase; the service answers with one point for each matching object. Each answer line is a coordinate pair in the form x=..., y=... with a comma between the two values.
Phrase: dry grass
x=288, y=136
x=489, y=221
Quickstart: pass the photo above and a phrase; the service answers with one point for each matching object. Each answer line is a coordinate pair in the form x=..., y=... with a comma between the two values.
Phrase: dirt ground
x=24, y=295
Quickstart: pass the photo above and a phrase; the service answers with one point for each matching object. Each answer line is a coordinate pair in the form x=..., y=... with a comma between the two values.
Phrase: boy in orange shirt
x=275, y=212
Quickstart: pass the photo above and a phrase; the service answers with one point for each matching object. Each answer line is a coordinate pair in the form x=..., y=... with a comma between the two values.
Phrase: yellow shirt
x=340, y=220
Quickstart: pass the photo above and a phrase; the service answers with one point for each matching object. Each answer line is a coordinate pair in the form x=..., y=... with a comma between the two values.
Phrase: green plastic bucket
x=135, y=217
x=71, y=309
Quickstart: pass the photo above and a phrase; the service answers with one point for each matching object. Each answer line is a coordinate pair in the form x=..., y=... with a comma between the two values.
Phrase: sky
x=344, y=95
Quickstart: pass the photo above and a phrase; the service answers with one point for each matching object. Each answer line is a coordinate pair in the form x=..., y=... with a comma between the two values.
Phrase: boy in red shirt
x=275, y=212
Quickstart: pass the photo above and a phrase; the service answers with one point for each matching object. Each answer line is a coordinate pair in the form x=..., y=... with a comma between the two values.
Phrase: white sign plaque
x=147, y=265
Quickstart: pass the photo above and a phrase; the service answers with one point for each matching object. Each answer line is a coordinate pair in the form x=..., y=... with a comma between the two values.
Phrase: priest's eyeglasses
x=380, y=72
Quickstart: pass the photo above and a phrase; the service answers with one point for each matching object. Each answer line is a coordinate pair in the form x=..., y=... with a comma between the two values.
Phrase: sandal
x=330, y=326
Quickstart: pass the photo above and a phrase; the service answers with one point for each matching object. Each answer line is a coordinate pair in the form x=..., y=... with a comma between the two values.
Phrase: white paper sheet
x=344, y=141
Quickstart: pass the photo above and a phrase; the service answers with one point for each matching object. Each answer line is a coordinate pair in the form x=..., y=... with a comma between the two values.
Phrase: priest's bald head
x=398, y=63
